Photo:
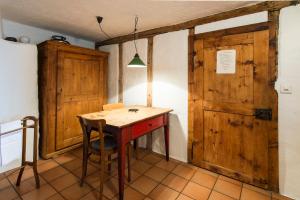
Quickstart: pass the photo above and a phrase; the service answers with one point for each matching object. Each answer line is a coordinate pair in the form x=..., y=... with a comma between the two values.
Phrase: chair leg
x=128, y=161
x=84, y=164
x=109, y=163
x=102, y=165
x=136, y=146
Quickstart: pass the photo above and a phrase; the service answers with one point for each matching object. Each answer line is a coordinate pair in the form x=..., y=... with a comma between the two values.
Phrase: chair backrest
x=113, y=106
x=89, y=125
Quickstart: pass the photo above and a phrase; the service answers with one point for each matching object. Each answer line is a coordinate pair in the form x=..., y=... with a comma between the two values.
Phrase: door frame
x=272, y=26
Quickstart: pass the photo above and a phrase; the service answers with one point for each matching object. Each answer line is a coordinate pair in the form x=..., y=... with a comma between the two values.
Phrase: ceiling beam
x=264, y=6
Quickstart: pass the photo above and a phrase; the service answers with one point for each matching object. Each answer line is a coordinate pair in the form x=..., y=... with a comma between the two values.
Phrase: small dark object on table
x=133, y=110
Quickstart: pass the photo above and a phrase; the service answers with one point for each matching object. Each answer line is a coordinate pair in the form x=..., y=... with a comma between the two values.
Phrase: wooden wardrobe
x=72, y=81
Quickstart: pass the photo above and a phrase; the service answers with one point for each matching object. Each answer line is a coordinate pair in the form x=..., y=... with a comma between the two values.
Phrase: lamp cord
x=108, y=36
x=134, y=32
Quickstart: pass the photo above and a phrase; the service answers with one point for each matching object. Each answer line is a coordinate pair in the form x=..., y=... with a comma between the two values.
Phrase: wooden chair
x=105, y=146
x=114, y=106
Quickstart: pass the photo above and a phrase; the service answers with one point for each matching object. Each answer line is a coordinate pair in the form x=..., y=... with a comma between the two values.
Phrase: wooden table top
x=122, y=117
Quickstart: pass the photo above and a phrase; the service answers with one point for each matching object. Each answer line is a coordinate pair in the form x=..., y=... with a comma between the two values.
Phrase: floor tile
x=151, y=174
x=224, y=178
x=184, y=171
x=2, y=176
x=93, y=195
x=166, y=165
x=156, y=173
x=163, y=192
x=28, y=173
x=28, y=185
x=204, y=179
x=8, y=193
x=75, y=192
x=90, y=170
x=144, y=185
x=183, y=197
x=218, y=196
x=67, y=157
x=94, y=179
x=140, y=166
x=42, y=161
x=56, y=197
x=257, y=189
x=132, y=194
x=196, y=191
x=74, y=164
x=134, y=176
x=110, y=188
x=228, y=188
x=248, y=194
x=175, y=182
x=77, y=152
x=142, y=152
x=47, y=166
x=54, y=173
x=152, y=158
x=44, y=192
x=64, y=181
x=4, y=183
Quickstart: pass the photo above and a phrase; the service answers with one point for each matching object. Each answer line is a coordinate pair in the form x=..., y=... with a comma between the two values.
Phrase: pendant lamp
x=136, y=61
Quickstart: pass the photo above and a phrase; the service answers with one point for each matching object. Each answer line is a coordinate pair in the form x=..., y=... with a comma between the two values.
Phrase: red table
x=127, y=126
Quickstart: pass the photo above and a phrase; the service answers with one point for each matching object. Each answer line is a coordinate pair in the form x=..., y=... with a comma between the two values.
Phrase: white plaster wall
x=38, y=35
x=170, y=89
x=233, y=22
x=0, y=25
x=19, y=98
x=18, y=81
x=113, y=71
x=289, y=106
x=134, y=79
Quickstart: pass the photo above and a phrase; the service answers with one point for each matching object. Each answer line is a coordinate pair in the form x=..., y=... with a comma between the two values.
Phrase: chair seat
x=109, y=143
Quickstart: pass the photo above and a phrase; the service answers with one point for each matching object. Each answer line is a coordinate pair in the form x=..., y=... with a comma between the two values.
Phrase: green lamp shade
x=136, y=62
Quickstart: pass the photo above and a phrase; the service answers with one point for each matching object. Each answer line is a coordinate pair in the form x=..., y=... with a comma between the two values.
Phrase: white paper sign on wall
x=226, y=61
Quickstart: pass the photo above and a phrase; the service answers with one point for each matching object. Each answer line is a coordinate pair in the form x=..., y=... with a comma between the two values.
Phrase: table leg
x=166, y=131
x=121, y=164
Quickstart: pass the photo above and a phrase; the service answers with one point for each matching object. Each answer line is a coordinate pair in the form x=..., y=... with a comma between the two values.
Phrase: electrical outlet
x=286, y=89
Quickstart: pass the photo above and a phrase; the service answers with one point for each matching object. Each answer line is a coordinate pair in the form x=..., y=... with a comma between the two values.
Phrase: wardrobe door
x=80, y=89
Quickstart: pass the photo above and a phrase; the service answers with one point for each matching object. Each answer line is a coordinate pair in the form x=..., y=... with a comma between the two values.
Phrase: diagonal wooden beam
x=264, y=6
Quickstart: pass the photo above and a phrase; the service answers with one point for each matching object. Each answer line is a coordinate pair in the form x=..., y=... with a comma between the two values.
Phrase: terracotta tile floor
x=152, y=178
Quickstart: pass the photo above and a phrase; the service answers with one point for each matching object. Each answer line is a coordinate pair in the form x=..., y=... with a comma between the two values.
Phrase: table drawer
x=146, y=126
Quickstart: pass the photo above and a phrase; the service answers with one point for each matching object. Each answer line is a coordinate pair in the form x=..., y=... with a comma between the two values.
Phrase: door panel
x=229, y=88
x=80, y=91
x=227, y=136
x=229, y=141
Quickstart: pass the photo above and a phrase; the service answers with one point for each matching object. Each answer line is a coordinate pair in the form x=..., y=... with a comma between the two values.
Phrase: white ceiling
x=77, y=17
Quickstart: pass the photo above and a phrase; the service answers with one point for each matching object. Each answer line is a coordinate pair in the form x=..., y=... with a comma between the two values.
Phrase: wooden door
x=231, y=121
x=81, y=89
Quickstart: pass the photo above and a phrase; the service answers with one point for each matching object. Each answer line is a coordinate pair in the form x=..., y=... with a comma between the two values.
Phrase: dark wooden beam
x=273, y=18
x=149, y=83
x=190, y=93
x=120, y=80
x=236, y=30
x=264, y=6
x=149, y=71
